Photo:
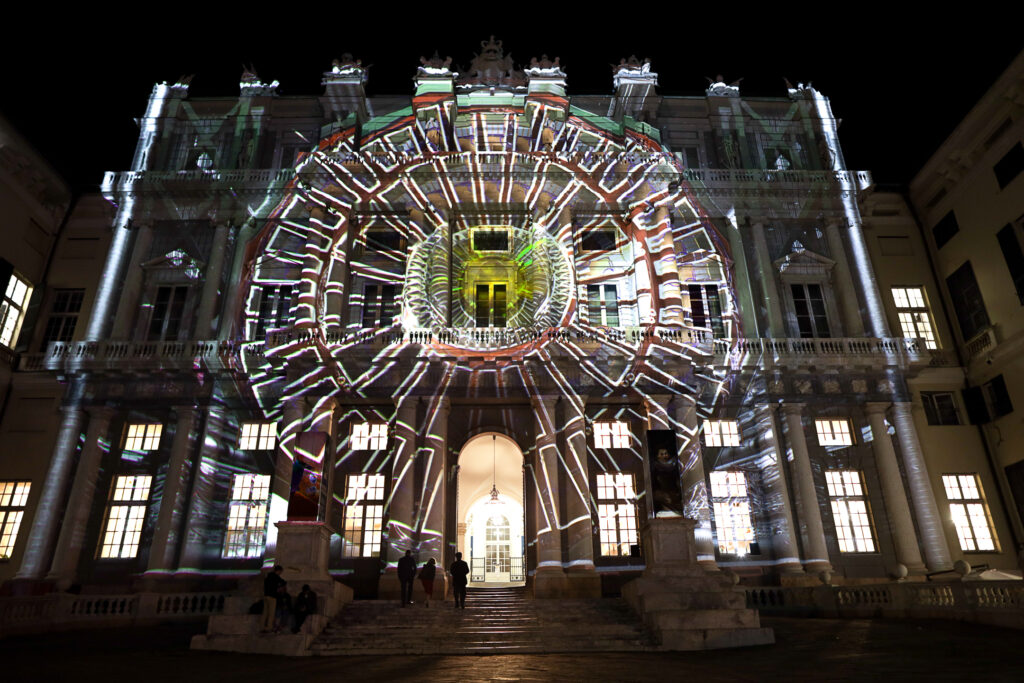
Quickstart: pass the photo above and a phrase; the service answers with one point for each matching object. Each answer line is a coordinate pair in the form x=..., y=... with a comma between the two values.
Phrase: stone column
x=816, y=550
x=324, y=421
x=166, y=537
x=281, y=483
x=766, y=269
x=196, y=533
x=853, y=324
x=432, y=507
x=401, y=529
x=211, y=283
x=126, y=309
x=784, y=536
x=695, y=489
x=897, y=508
x=71, y=540
x=936, y=550
x=550, y=577
x=583, y=578
x=50, y=504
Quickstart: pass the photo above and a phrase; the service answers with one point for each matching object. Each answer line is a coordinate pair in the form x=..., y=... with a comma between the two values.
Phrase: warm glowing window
x=12, y=309
x=247, y=516
x=126, y=513
x=732, y=512
x=611, y=435
x=364, y=513
x=369, y=436
x=13, y=499
x=721, y=433
x=143, y=437
x=850, y=511
x=834, y=432
x=969, y=512
x=616, y=511
x=915, y=318
x=603, y=305
x=258, y=436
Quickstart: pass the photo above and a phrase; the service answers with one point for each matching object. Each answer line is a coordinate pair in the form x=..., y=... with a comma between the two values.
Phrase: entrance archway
x=492, y=527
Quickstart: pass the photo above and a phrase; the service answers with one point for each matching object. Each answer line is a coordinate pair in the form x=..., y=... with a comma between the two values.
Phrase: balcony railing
x=841, y=351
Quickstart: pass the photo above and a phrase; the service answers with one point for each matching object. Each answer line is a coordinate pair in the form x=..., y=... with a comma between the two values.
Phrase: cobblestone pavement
x=806, y=650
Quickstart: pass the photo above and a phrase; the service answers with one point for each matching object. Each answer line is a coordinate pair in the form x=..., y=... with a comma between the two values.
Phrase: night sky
x=899, y=88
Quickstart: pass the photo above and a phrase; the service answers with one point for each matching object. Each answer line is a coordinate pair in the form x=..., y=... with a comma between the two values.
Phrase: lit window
x=13, y=499
x=126, y=513
x=247, y=516
x=364, y=513
x=721, y=433
x=143, y=437
x=969, y=512
x=940, y=408
x=915, y=318
x=834, y=432
x=611, y=435
x=850, y=511
x=369, y=436
x=258, y=436
x=603, y=305
x=732, y=512
x=616, y=511
x=67, y=304
x=12, y=309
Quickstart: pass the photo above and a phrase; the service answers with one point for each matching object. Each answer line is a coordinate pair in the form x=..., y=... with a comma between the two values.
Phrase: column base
x=550, y=582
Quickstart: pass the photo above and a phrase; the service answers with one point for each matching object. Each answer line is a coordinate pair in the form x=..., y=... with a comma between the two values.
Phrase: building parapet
x=248, y=179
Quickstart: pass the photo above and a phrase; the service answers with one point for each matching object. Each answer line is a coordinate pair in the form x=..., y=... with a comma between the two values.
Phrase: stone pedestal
x=684, y=606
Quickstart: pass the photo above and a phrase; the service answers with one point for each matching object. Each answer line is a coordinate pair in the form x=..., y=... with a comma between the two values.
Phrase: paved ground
x=806, y=650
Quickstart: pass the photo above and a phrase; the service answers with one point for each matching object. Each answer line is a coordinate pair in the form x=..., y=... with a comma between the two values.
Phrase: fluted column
x=166, y=535
x=432, y=507
x=784, y=530
x=695, y=488
x=579, y=522
x=400, y=510
x=71, y=540
x=936, y=550
x=125, y=310
x=853, y=324
x=549, y=535
x=50, y=504
x=211, y=283
x=771, y=292
x=816, y=550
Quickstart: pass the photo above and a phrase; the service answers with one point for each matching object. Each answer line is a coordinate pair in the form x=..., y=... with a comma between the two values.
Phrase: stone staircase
x=495, y=621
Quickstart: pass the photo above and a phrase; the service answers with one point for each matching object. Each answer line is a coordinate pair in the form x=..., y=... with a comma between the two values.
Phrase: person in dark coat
x=427, y=574
x=407, y=576
x=273, y=588
x=459, y=571
x=303, y=605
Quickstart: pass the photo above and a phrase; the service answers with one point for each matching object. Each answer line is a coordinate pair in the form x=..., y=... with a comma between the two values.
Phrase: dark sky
x=900, y=88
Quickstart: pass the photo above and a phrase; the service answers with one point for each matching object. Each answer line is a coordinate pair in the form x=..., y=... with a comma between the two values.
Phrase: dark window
x=491, y=305
x=380, y=305
x=967, y=301
x=945, y=229
x=275, y=304
x=989, y=401
x=1015, y=477
x=940, y=407
x=809, y=302
x=490, y=240
x=1010, y=166
x=168, y=309
x=67, y=303
x=706, y=308
x=385, y=240
x=1010, y=245
x=603, y=305
x=598, y=239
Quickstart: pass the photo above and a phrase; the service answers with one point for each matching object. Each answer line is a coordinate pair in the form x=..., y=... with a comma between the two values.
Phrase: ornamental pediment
x=801, y=263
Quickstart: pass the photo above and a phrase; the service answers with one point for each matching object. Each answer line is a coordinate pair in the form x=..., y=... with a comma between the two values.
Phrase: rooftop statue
x=633, y=69
x=435, y=66
x=493, y=67
x=251, y=84
x=717, y=87
x=545, y=67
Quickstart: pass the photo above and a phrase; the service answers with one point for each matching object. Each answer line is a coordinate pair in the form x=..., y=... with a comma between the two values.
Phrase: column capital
x=103, y=412
x=876, y=407
x=546, y=401
x=185, y=412
x=792, y=409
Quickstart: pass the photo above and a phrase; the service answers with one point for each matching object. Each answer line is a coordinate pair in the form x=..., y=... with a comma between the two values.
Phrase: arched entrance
x=490, y=511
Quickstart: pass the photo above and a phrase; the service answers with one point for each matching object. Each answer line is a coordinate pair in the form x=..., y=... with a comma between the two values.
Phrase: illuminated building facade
x=494, y=319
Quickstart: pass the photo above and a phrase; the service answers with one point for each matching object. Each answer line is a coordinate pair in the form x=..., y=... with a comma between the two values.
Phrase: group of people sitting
x=279, y=608
x=459, y=572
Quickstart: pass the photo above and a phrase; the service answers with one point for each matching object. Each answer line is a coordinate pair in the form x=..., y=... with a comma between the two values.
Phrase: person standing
x=407, y=576
x=273, y=586
x=427, y=574
x=459, y=571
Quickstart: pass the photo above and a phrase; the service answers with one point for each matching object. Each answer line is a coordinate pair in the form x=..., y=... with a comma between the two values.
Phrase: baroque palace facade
x=495, y=320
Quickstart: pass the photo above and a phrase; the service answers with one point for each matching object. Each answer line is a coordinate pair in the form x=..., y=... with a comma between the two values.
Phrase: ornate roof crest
x=251, y=85
x=492, y=67
x=717, y=87
x=435, y=66
x=632, y=69
x=348, y=68
x=545, y=67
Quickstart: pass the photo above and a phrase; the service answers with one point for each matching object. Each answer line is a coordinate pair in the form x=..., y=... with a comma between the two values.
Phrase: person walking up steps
x=427, y=573
x=407, y=576
x=459, y=571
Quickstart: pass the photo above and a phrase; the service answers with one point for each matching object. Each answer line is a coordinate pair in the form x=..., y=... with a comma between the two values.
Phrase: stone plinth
x=683, y=605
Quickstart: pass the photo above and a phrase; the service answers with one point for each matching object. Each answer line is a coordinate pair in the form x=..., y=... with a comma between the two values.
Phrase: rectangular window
x=940, y=407
x=13, y=499
x=989, y=401
x=850, y=511
x=732, y=512
x=603, y=305
x=364, y=513
x=491, y=305
x=168, y=310
x=381, y=305
x=833, y=432
x=944, y=230
x=969, y=512
x=258, y=436
x=809, y=304
x=616, y=511
x=706, y=308
x=490, y=240
x=1010, y=166
x=369, y=436
x=275, y=306
x=1014, y=257
x=719, y=433
x=12, y=309
x=247, y=516
x=143, y=437
x=611, y=435
x=967, y=301
x=384, y=239
x=60, y=327
x=598, y=239
x=915, y=318
x=126, y=513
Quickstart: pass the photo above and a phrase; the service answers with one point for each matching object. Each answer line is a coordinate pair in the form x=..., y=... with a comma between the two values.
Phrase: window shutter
x=974, y=401
x=999, y=396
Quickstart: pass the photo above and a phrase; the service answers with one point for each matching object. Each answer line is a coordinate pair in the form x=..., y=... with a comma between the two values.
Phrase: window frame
x=375, y=437
x=831, y=438
x=611, y=434
x=360, y=507
x=981, y=511
x=61, y=324
x=710, y=299
x=273, y=309
x=617, y=513
x=249, y=506
x=14, y=495
x=257, y=436
x=935, y=416
x=729, y=495
x=849, y=503
x=133, y=521
x=717, y=437
x=13, y=309
x=375, y=316
x=918, y=317
x=604, y=308
x=145, y=442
